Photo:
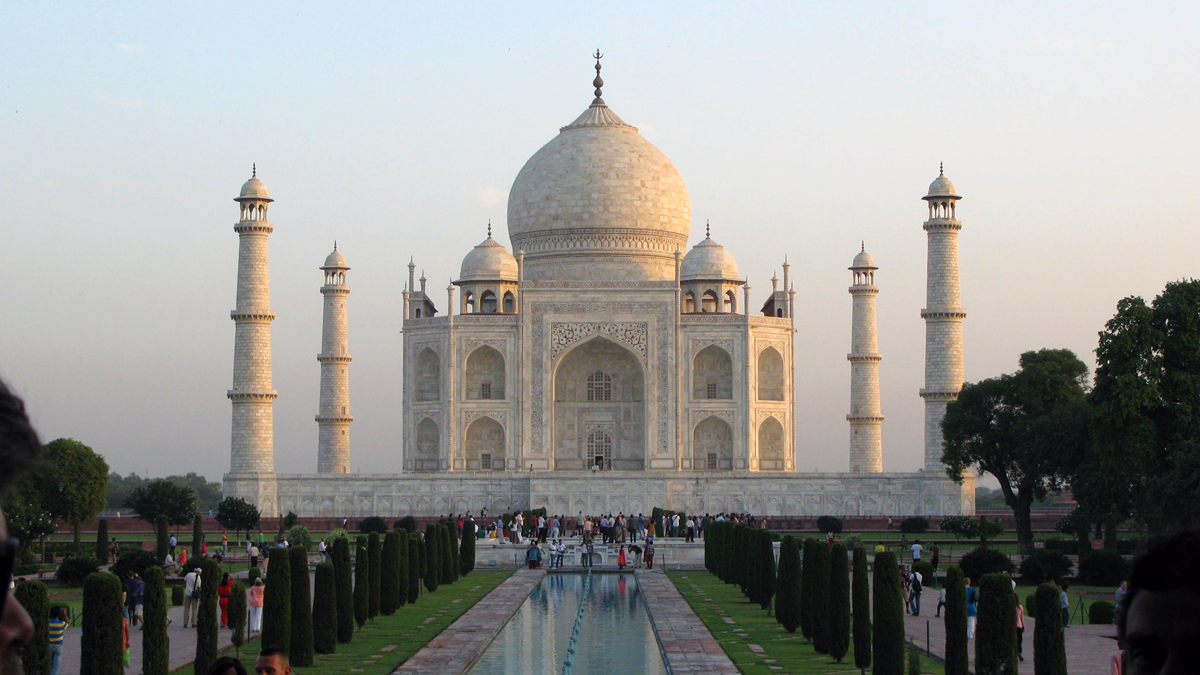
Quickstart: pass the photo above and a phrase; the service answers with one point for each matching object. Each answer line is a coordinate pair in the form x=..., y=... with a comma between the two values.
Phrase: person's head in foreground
x=19, y=449
x=272, y=661
x=1160, y=627
x=227, y=665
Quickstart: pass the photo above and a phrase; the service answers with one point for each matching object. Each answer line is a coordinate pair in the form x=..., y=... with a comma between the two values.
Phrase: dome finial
x=864, y=246
x=941, y=168
x=254, y=169
x=335, y=245
x=707, y=230
x=489, y=228
x=598, y=82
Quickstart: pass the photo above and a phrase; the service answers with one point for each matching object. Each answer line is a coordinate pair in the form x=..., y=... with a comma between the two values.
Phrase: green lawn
x=381, y=646
x=779, y=648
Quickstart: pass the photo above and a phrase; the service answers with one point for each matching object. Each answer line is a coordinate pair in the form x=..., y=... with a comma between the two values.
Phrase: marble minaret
x=253, y=444
x=943, y=316
x=333, y=415
x=866, y=420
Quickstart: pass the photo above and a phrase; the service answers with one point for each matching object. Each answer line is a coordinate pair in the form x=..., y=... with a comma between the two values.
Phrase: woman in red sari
x=223, y=589
x=621, y=559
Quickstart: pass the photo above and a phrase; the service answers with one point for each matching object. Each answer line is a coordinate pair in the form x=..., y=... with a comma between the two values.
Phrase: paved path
x=688, y=645
x=456, y=647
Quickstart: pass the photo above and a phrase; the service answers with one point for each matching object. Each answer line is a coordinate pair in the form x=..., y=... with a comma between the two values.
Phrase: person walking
x=1065, y=601
x=58, y=626
x=1020, y=628
x=649, y=555
x=972, y=609
x=139, y=594
x=253, y=556
x=256, y=605
x=915, y=588
x=941, y=601
x=917, y=549
x=223, y=590
x=691, y=529
x=889, y=522
x=934, y=555
x=172, y=542
x=191, y=597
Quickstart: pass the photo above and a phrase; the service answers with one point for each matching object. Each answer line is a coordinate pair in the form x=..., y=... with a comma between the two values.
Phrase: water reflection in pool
x=615, y=637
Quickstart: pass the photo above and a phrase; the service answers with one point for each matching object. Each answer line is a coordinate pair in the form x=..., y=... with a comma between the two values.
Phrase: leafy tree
x=407, y=523
x=819, y=573
x=325, y=609
x=1103, y=568
x=73, y=483
x=206, y=633
x=138, y=562
x=1030, y=430
x=787, y=599
x=237, y=514
x=466, y=551
x=288, y=521
x=956, y=622
x=914, y=525
x=301, y=650
x=1044, y=565
x=362, y=583
x=960, y=526
x=862, y=610
x=73, y=571
x=35, y=598
x=102, y=540
x=101, y=651
x=372, y=524
x=343, y=589
x=827, y=524
x=839, y=602
x=163, y=498
x=432, y=556
x=995, y=633
x=27, y=520
x=888, y=634
x=980, y=561
x=376, y=574
x=236, y=609
x=389, y=585
x=197, y=536
x=277, y=601
x=298, y=535
x=156, y=650
x=1049, y=645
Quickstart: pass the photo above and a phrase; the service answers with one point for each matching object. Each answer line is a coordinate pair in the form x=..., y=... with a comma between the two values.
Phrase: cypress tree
x=741, y=539
x=819, y=574
x=451, y=562
x=862, y=610
x=301, y=651
x=431, y=559
x=376, y=574
x=362, y=582
x=162, y=537
x=414, y=567
x=752, y=566
x=237, y=616
x=839, y=602
x=197, y=536
x=156, y=645
x=996, y=632
x=1049, y=648
x=766, y=569
x=402, y=546
x=888, y=634
x=101, y=642
x=277, y=601
x=101, y=544
x=206, y=634
x=389, y=585
x=787, y=599
x=343, y=590
x=807, y=590
x=325, y=609
x=35, y=598
x=466, y=550
x=956, y=622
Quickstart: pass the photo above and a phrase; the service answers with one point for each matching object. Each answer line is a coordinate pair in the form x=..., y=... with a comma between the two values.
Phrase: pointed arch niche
x=485, y=375
x=428, y=446
x=428, y=376
x=485, y=445
x=770, y=445
x=599, y=386
x=712, y=374
x=712, y=445
x=771, y=380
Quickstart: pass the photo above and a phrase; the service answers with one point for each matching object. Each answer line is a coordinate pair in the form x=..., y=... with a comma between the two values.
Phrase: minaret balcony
x=866, y=418
x=942, y=224
x=333, y=358
x=253, y=227
x=252, y=316
x=949, y=313
x=235, y=395
x=932, y=395
x=864, y=289
x=335, y=290
x=345, y=419
x=864, y=357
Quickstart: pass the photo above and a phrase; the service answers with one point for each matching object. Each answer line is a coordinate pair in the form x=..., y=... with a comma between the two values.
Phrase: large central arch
x=599, y=394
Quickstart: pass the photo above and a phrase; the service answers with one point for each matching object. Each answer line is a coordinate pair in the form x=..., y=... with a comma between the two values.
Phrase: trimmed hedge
x=236, y=609
x=1049, y=644
x=787, y=598
x=156, y=646
x=914, y=525
x=839, y=602
x=861, y=593
x=176, y=596
x=101, y=544
x=808, y=590
x=35, y=598
x=362, y=582
x=401, y=567
x=925, y=569
x=407, y=523
x=1101, y=612
x=957, y=656
x=162, y=538
x=73, y=571
x=415, y=563
x=376, y=574
x=433, y=550
x=197, y=536
x=819, y=574
x=301, y=651
x=449, y=560
x=252, y=574
x=101, y=643
x=206, y=616
x=466, y=550
x=1103, y=568
x=325, y=609
x=343, y=590
x=887, y=635
x=1043, y=566
x=995, y=632
x=277, y=601
x=827, y=524
x=1030, y=605
x=983, y=560
x=389, y=585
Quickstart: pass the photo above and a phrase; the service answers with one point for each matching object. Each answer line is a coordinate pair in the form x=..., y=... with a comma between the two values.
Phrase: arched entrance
x=599, y=409
x=485, y=445
x=712, y=445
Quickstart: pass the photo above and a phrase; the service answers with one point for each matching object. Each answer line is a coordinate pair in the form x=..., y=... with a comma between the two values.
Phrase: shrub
x=334, y=535
x=787, y=598
x=1105, y=567
x=914, y=525
x=375, y=576
x=101, y=642
x=176, y=596
x=1044, y=566
x=138, y=561
x=415, y=557
x=957, y=656
x=253, y=574
x=887, y=636
x=298, y=535
x=343, y=590
x=401, y=568
x=101, y=541
x=35, y=598
x=197, y=536
x=861, y=592
x=162, y=538
x=827, y=524
x=237, y=616
x=995, y=637
x=324, y=611
x=156, y=652
x=960, y=526
x=914, y=659
x=301, y=651
x=466, y=551
x=1101, y=612
x=1049, y=646
x=991, y=528
x=433, y=550
x=407, y=523
x=450, y=561
x=819, y=573
x=73, y=571
x=925, y=569
x=288, y=521
x=852, y=541
x=839, y=602
x=807, y=589
x=981, y=560
x=362, y=582
x=1031, y=605
x=372, y=524
x=277, y=601
x=766, y=576
x=389, y=585
x=206, y=634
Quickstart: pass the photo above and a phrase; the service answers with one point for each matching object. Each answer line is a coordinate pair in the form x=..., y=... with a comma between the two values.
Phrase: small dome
x=863, y=261
x=489, y=261
x=708, y=260
x=941, y=187
x=335, y=261
x=254, y=189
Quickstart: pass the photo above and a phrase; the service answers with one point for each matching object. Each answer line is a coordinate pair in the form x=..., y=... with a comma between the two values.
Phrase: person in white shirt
x=916, y=551
x=321, y=548
x=191, y=584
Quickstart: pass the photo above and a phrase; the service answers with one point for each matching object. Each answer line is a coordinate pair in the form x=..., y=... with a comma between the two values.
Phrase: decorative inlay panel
x=699, y=416
x=778, y=415
x=563, y=335
x=469, y=346
x=698, y=344
x=500, y=416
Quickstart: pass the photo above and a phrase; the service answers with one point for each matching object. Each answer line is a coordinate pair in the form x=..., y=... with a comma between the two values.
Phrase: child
x=941, y=601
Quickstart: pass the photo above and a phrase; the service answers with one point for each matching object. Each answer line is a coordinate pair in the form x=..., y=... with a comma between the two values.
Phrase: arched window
x=510, y=303
x=599, y=449
x=770, y=445
x=689, y=303
x=485, y=374
x=599, y=387
x=771, y=377
x=730, y=303
x=712, y=374
x=708, y=303
x=427, y=446
x=468, y=303
x=418, y=312
x=428, y=376
x=487, y=303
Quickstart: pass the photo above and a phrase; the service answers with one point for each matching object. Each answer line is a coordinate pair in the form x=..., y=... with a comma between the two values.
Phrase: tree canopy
x=162, y=497
x=73, y=482
x=237, y=514
x=1030, y=430
x=208, y=493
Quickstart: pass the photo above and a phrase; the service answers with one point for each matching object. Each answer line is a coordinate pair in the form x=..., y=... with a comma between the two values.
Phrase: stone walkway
x=456, y=647
x=688, y=645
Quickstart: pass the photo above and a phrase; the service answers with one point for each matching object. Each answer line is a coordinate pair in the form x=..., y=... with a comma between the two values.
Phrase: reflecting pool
x=615, y=635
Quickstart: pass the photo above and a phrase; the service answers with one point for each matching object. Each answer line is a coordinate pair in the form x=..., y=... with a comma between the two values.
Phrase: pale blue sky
x=801, y=129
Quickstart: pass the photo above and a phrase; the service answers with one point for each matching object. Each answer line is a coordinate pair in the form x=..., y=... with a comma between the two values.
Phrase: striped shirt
x=57, y=628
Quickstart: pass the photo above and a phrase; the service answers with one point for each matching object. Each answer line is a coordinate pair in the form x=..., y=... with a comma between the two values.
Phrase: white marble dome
x=335, y=261
x=941, y=187
x=708, y=261
x=254, y=189
x=489, y=261
x=863, y=261
x=599, y=202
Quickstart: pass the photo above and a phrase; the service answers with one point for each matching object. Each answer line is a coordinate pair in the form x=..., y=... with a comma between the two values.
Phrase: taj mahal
x=597, y=364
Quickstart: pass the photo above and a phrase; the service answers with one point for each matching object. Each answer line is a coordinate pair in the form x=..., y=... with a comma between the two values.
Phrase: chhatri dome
x=941, y=186
x=489, y=261
x=708, y=261
x=599, y=203
x=254, y=188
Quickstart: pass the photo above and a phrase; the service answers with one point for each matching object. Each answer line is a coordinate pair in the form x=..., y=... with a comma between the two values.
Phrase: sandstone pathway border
x=687, y=644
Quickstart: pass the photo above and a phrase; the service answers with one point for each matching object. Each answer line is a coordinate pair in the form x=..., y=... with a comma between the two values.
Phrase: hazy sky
x=800, y=129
